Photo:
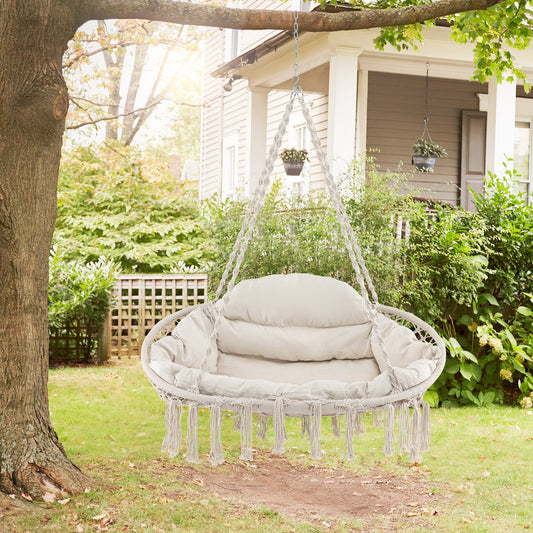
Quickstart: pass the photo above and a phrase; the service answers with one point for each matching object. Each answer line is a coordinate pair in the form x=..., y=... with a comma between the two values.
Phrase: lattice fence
x=141, y=301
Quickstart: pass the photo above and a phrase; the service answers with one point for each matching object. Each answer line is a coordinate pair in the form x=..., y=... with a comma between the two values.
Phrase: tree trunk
x=33, y=105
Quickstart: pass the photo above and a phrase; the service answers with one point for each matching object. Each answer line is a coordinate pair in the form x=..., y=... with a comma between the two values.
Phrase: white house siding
x=396, y=110
x=251, y=38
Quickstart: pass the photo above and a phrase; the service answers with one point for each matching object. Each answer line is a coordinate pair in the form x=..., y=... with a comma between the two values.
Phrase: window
x=522, y=159
x=229, y=165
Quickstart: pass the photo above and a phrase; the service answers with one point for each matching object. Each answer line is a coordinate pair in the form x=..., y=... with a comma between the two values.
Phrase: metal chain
x=296, y=77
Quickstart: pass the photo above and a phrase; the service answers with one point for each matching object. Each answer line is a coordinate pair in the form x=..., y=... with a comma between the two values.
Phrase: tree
x=96, y=68
x=34, y=34
x=127, y=206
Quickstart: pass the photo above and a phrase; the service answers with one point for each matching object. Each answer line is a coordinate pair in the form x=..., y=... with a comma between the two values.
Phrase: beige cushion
x=294, y=343
x=298, y=372
x=295, y=300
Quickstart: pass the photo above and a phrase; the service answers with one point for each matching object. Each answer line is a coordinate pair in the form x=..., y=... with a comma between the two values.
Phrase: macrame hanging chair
x=294, y=345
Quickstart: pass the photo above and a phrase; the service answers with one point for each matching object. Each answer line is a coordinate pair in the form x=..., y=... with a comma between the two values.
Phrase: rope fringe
x=262, y=426
x=216, y=455
x=279, y=427
x=335, y=426
x=192, y=434
x=172, y=440
x=246, y=433
x=389, y=439
x=316, y=427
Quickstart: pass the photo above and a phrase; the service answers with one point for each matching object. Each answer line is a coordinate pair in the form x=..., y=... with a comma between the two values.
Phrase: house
x=362, y=100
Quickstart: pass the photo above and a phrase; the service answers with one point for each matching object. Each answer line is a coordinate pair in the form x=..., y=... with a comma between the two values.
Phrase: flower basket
x=293, y=160
x=293, y=168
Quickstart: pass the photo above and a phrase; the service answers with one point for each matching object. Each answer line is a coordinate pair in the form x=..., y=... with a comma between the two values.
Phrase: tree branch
x=250, y=19
x=113, y=117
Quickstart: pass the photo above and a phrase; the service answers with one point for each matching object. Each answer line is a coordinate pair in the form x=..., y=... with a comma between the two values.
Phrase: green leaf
x=526, y=311
x=432, y=397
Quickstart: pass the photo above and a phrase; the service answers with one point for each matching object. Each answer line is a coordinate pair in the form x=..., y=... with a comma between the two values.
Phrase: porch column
x=256, y=130
x=342, y=107
x=362, y=106
x=501, y=116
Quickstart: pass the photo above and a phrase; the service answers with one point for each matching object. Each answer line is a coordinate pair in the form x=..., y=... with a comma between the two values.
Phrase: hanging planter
x=425, y=150
x=425, y=154
x=293, y=160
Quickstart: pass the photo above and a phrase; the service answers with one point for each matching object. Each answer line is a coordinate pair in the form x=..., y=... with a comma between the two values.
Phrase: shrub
x=79, y=297
x=303, y=235
x=490, y=339
x=126, y=206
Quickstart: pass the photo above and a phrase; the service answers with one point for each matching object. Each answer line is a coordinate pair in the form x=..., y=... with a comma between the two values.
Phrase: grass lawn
x=110, y=421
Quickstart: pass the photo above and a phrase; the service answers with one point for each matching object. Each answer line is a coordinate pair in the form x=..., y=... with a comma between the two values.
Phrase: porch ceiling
x=315, y=80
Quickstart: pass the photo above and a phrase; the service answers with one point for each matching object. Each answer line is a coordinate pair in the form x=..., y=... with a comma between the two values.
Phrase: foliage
x=428, y=148
x=446, y=265
x=293, y=154
x=303, y=235
x=490, y=338
x=116, y=202
x=492, y=32
x=79, y=295
x=119, y=73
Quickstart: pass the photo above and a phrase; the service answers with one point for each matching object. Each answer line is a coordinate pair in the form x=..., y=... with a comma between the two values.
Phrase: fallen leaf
x=79, y=528
x=99, y=517
x=63, y=502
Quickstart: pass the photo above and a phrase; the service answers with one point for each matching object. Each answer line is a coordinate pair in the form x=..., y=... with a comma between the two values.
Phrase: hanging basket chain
x=425, y=131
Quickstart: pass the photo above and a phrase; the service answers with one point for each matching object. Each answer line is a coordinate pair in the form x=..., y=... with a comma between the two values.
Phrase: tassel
x=263, y=423
x=306, y=427
x=348, y=436
x=414, y=452
x=172, y=440
x=246, y=433
x=316, y=426
x=335, y=426
x=279, y=427
x=404, y=441
x=389, y=440
x=192, y=434
x=377, y=415
x=237, y=421
x=359, y=430
x=216, y=455
x=425, y=430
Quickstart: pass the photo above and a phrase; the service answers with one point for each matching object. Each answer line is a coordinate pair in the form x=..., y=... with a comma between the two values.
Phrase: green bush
x=303, y=234
x=118, y=203
x=490, y=339
x=79, y=298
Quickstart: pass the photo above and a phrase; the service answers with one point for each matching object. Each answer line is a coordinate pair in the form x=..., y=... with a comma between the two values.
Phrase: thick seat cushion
x=294, y=343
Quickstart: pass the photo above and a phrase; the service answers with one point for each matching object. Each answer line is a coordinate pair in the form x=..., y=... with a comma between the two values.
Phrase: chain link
x=296, y=77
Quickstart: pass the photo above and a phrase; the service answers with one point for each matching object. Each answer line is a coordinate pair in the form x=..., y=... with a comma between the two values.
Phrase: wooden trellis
x=143, y=300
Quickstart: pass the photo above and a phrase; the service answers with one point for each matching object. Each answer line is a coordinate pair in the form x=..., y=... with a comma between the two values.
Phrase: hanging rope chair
x=294, y=345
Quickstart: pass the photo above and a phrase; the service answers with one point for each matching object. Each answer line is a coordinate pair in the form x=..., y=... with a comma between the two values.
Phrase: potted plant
x=293, y=160
x=425, y=153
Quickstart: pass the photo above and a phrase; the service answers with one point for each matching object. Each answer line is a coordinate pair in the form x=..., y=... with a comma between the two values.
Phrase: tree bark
x=264, y=19
x=33, y=105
